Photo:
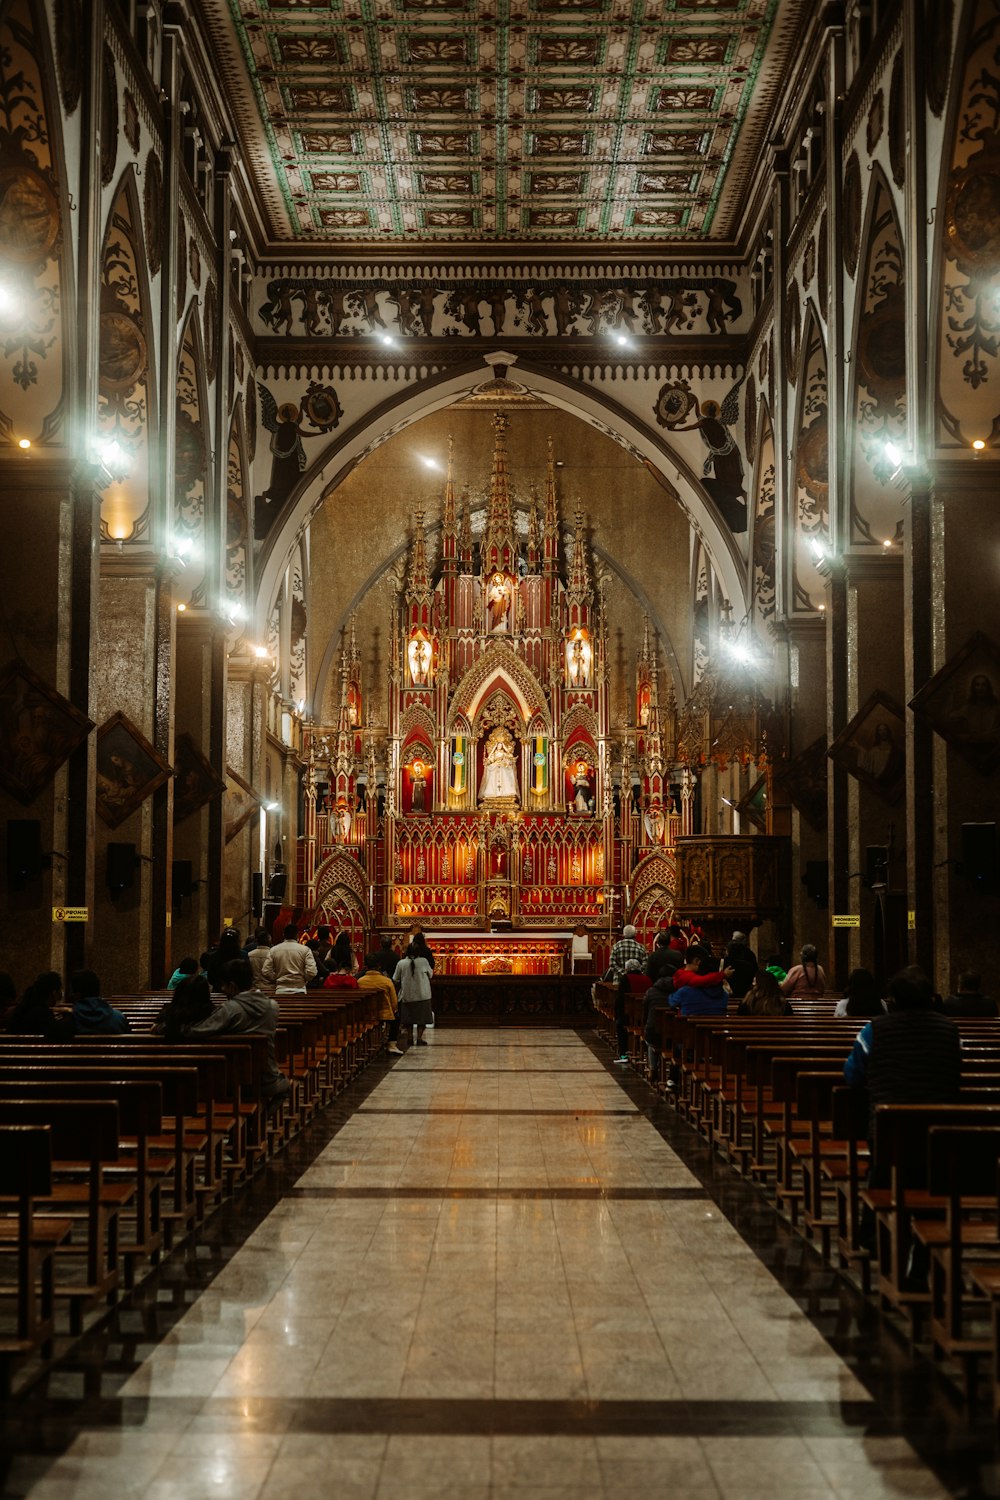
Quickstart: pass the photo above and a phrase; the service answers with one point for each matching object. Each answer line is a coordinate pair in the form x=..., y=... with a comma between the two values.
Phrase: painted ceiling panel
x=395, y=123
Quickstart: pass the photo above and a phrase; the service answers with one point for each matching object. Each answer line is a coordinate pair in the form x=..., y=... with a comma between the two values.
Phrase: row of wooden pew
x=921, y=1235
x=113, y=1147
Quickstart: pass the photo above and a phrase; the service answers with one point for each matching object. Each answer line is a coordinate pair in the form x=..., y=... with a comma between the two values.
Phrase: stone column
x=806, y=666
x=200, y=686
x=246, y=725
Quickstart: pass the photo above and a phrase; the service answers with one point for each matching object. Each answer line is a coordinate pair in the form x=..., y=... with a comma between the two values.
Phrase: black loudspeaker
x=979, y=853
x=877, y=864
x=817, y=881
x=24, y=852
x=181, y=879
x=257, y=894
x=120, y=870
x=276, y=886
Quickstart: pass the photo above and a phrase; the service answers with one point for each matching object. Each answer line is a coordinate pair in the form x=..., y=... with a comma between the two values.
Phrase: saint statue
x=419, y=654
x=579, y=662
x=418, y=802
x=499, y=774
x=581, y=783
x=498, y=599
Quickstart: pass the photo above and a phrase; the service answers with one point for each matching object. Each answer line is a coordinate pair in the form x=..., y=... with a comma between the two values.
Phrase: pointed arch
x=763, y=536
x=238, y=582
x=500, y=668
x=968, y=260
x=191, y=461
x=126, y=372
x=879, y=365
x=35, y=249
x=809, y=521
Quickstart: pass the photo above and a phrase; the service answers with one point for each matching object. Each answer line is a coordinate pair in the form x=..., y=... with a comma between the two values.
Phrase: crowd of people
x=682, y=975
x=237, y=986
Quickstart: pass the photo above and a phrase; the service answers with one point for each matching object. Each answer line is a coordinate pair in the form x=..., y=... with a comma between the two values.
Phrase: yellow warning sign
x=911, y=921
x=851, y=919
x=70, y=914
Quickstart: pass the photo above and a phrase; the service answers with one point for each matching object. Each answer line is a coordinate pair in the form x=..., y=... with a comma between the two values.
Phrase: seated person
x=764, y=998
x=191, y=1002
x=970, y=1000
x=184, y=970
x=340, y=973
x=699, y=991
x=246, y=1009
x=862, y=996
x=634, y=982
x=92, y=1015
x=657, y=1001
x=40, y=1011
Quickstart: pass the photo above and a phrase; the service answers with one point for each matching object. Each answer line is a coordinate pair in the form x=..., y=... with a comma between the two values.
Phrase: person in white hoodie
x=289, y=965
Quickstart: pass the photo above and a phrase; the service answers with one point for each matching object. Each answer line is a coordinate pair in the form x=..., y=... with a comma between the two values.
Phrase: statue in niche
x=499, y=769
x=581, y=785
x=419, y=657
x=499, y=601
x=418, y=801
x=578, y=652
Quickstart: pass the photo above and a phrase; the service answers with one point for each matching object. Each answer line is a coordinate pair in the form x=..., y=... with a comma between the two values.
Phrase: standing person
x=375, y=979
x=743, y=962
x=970, y=1000
x=413, y=984
x=257, y=957
x=92, y=1015
x=382, y=959
x=419, y=941
x=663, y=960
x=626, y=947
x=678, y=942
x=341, y=967
x=245, y=1008
x=805, y=980
x=289, y=965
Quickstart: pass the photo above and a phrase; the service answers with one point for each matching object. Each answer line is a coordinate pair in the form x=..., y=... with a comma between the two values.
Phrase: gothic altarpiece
x=499, y=797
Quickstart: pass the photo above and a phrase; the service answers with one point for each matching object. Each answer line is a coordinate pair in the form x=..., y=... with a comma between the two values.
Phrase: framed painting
x=39, y=730
x=802, y=782
x=128, y=769
x=872, y=746
x=197, y=783
x=240, y=805
x=960, y=702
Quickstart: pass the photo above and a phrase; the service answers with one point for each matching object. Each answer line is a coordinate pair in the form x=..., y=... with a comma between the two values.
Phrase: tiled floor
x=495, y=1278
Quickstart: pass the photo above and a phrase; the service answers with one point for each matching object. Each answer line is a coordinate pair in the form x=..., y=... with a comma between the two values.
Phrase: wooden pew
x=30, y=1240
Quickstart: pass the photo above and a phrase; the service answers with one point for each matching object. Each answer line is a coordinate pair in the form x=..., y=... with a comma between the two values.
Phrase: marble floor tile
x=436, y=1299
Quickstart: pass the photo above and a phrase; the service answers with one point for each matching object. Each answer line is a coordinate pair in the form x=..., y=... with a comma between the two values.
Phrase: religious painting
x=872, y=746
x=579, y=659
x=129, y=769
x=419, y=655
x=500, y=604
x=316, y=414
x=241, y=803
x=39, y=730
x=499, y=782
x=197, y=783
x=803, y=783
x=961, y=702
x=679, y=410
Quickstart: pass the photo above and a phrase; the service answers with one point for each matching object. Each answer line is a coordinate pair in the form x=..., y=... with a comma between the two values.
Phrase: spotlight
x=182, y=547
x=887, y=542
x=24, y=442
x=429, y=463
x=817, y=548
x=387, y=339
x=621, y=339
x=181, y=608
x=260, y=652
x=234, y=611
x=892, y=453
x=979, y=444
x=271, y=806
x=8, y=302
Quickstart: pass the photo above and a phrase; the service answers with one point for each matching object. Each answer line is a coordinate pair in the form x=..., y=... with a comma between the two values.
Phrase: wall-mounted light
x=181, y=608
x=272, y=807
x=261, y=653
x=24, y=443
x=429, y=463
x=979, y=444
x=622, y=340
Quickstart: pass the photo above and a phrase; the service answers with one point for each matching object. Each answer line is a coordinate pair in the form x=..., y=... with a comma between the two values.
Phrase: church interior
x=521, y=471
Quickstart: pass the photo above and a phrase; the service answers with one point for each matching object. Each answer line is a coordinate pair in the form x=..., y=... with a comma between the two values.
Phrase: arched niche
x=348, y=448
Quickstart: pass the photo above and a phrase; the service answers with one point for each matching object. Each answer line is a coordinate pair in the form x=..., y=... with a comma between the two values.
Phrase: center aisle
x=498, y=1280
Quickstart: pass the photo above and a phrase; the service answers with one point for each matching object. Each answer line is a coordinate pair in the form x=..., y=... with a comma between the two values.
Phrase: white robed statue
x=499, y=774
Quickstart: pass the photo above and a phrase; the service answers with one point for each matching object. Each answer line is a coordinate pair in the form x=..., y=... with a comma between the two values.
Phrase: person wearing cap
x=626, y=947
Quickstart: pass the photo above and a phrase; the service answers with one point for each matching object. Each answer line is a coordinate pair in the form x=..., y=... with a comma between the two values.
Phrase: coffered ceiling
x=471, y=123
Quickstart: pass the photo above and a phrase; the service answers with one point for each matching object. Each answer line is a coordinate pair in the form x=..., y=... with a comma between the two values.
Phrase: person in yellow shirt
x=371, y=979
